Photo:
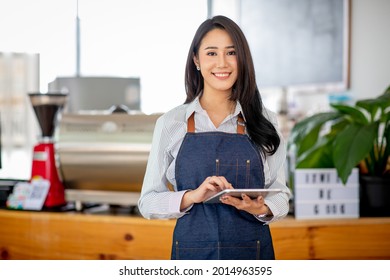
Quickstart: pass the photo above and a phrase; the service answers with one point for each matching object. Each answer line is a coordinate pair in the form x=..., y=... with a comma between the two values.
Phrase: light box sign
x=319, y=193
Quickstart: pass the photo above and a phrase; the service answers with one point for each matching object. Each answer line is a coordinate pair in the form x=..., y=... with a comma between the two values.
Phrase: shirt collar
x=195, y=106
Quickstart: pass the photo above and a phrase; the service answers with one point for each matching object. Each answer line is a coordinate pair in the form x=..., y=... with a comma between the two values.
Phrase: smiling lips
x=222, y=75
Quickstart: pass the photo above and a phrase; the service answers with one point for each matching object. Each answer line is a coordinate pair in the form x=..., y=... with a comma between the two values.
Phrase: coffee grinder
x=46, y=107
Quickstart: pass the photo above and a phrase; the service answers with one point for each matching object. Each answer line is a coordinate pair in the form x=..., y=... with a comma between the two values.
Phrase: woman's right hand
x=210, y=186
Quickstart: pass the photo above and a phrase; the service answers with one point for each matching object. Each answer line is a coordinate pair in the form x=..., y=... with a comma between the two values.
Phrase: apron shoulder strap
x=240, y=124
x=191, y=123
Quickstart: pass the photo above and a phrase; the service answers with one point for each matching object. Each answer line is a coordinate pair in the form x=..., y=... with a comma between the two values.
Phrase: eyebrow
x=214, y=48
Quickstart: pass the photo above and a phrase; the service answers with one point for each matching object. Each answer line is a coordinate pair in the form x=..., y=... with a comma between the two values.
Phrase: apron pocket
x=236, y=171
x=192, y=250
x=196, y=250
x=248, y=250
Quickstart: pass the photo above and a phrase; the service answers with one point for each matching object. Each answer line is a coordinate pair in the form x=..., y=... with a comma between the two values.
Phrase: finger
x=214, y=180
x=207, y=180
x=260, y=200
x=230, y=200
x=213, y=188
x=211, y=180
x=246, y=198
x=226, y=184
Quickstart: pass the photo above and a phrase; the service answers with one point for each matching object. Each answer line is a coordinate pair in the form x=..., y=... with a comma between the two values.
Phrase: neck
x=218, y=107
x=217, y=102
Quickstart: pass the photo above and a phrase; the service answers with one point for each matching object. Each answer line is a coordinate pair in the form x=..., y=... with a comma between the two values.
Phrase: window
x=148, y=39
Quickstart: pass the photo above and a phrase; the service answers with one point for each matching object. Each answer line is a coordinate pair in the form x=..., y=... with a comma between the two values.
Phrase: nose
x=221, y=61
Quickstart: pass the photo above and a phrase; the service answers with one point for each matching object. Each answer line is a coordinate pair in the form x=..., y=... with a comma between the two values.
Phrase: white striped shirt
x=158, y=202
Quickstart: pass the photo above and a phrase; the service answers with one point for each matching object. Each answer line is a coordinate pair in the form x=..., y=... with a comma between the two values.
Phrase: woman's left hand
x=254, y=206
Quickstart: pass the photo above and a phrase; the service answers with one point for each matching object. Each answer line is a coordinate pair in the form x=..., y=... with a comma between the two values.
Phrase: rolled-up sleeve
x=156, y=200
x=276, y=179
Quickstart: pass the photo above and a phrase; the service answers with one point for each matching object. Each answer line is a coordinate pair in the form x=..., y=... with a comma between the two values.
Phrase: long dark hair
x=245, y=90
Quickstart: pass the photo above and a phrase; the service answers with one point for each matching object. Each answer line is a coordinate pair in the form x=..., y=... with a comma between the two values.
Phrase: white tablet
x=253, y=193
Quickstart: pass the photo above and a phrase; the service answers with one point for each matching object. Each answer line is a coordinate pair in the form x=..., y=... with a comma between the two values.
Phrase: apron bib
x=218, y=231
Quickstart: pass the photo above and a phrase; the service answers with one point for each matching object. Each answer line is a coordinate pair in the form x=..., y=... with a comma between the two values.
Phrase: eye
x=211, y=53
x=231, y=53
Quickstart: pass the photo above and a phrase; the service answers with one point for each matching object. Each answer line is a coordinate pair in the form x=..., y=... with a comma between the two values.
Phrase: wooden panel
x=364, y=238
x=352, y=242
x=63, y=236
x=293, y=243
x=38, y=235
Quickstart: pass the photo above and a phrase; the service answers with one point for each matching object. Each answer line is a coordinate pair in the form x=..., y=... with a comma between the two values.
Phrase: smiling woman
x=218, y=59
x=218, y=64
x=222, y=137
x=117, y=38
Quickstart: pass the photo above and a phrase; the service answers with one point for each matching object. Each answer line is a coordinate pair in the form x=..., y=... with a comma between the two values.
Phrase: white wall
x=370, y=44
x=370, y=47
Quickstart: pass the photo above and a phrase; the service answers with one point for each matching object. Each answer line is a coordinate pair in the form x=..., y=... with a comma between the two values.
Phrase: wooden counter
x=75, y=236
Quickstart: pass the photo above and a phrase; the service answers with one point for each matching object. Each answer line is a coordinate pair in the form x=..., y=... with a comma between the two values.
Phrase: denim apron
x=218, y=231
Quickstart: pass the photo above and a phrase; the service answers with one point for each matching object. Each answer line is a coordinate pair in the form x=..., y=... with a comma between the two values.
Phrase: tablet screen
x=253, y=193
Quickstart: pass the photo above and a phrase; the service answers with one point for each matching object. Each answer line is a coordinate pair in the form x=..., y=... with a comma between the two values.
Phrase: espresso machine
x=46, y=107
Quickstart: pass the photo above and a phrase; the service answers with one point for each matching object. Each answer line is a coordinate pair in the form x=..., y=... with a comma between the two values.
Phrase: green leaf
x=385, y=118
x=337, y=127
x=387, y=91
x=305, y=133
x=351, y=146
x=386, y=147
x=319, y=156
x=373, y=105
x=309, y=140
x=355, y=114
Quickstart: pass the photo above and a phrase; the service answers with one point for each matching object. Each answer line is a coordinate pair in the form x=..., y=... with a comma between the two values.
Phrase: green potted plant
x=349, y=137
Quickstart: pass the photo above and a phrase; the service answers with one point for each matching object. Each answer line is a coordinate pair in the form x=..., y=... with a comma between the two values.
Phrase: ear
x=196, y=60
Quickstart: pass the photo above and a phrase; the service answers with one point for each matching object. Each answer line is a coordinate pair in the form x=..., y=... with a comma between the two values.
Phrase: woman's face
x=217, y=61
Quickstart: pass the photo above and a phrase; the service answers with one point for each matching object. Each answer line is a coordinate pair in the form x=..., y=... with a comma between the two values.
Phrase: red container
x=44, y=166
